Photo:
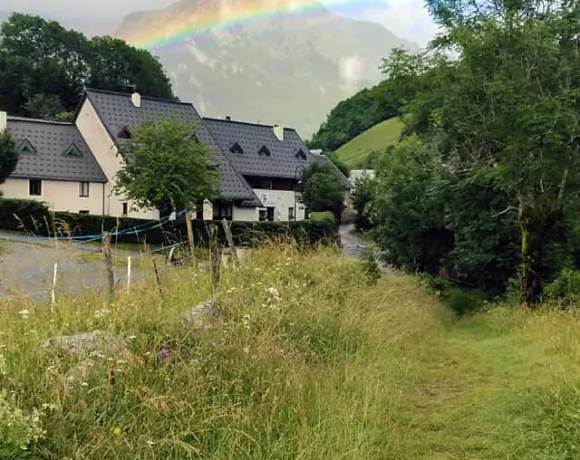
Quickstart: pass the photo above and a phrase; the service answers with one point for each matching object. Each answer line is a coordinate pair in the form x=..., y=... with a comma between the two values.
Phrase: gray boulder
x=87, y=342
x=204, y=315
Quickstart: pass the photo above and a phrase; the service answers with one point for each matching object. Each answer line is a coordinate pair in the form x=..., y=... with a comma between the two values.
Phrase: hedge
x=34, y=218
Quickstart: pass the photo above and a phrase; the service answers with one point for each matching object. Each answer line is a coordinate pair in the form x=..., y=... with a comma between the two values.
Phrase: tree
x=506, y=111
x=362, y=197
x=320, y=189
x=166, y=168
x=339, y=164
x=44, y=67
x=8, y=155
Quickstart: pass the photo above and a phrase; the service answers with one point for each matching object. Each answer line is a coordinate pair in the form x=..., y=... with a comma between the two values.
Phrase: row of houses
x=72, y=167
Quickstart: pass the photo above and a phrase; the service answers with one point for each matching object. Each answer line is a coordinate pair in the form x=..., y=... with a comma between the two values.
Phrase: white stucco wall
x=245, y=214
x=62, y=196
x=282, y=200
x=105, y=151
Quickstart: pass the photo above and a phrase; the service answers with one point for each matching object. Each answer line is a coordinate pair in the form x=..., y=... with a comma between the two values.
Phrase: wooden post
x=128, y=273
x=190, y=235
x=157, y=277
x=53, y=290
x=230, y=239
x=109, y=264
x=216, y=257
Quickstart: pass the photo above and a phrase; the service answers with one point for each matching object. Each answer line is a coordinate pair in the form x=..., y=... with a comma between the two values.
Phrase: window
x=194, y=138
x=35, y=187
x=270, y=214
x=25, y=147
x=125, y=133
x=264, y=152
x=223, y=211
x=259, y=182
x=236, y=148
x=125, y=209
x=73, y=151
x=291, y=214
x=84, y=189
x=84, y=212
x=301, y=155
x=263, y=215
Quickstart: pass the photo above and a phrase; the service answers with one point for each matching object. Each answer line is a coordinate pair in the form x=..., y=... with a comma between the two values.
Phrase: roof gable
x=53, y=143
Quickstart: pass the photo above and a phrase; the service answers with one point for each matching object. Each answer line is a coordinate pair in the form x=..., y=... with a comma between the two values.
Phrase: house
x=259, y=165
x=357, y=174
x=55, y=166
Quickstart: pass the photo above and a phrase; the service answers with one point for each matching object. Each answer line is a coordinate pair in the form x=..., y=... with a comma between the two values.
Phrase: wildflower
x=164, y=353
x=101, y=313
x=132, y=337
x=150, y=443
x=273, y=291
x=84, y=384
x=116, y=431
x=24, y=314
x=246, y=350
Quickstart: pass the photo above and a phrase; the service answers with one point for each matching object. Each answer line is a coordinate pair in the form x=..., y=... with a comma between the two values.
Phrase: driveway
x=352, y=244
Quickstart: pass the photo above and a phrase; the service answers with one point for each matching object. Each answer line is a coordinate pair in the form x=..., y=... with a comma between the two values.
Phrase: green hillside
x=377, y=138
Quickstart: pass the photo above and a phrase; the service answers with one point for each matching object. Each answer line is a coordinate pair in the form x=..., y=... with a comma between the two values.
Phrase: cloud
x=407, y=19
x=351, y=71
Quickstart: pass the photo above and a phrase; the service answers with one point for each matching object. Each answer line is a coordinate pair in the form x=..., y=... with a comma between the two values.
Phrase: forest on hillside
x=44, y=68
x=483, y=188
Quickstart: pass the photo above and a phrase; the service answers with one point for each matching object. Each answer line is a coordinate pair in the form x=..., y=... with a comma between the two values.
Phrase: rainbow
x=182, y=29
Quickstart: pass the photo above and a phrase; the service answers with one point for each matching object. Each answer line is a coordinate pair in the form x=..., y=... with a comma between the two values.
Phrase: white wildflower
x=101, y=313
x=132, y=337
x=24, y=313
x=84, y=384
x=273, y=291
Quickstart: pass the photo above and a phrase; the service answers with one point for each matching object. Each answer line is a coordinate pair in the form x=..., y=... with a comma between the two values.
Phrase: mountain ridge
x=290, y=71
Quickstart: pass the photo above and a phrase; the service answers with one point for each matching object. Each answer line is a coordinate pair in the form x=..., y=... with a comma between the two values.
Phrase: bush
x=325, y=216
x=565, y=286
x=34, y=217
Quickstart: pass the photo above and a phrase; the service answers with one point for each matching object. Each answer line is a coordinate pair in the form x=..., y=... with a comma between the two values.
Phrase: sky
x=405, y=18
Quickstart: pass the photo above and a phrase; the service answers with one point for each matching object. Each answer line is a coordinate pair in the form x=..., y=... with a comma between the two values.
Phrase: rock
x=87, y=342
x=203, y=315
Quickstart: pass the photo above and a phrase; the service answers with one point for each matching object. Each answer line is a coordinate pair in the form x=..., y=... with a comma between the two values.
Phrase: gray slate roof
x=117, y=112
x=282, y=163
x=50, y=141
x=325, y=160
x=251, y=138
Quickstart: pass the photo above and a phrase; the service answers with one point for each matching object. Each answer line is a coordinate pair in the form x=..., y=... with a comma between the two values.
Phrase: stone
x=202, y=316
x=87, y=342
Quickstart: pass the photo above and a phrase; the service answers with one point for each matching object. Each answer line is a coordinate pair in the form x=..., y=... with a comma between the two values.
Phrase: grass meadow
x=308, y=360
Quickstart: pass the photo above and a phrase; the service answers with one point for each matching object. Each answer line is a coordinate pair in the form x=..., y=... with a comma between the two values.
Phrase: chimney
x=228, y=118
x=3, y=121
x=279, y=132
x=136, y=99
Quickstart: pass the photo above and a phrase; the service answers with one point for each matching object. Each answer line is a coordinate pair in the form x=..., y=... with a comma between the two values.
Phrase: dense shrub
x=34, y=217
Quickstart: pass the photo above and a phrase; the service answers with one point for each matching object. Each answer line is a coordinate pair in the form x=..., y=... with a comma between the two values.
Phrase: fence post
x=53, y=290
x=189, y=225
x=128, y=273
x=230, y=240
x=109, y=264
x=216, y=257
x=157, y=279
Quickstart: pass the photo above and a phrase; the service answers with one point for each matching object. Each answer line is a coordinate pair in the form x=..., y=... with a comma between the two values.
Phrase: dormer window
x=301, y=155
x=236, y=148
x=194, y=138
x=26, y=148
x=73, y=151
x=125, y=133
x=264, y=152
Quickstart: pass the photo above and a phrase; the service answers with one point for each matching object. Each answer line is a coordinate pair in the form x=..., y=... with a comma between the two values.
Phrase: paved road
x=352, y=244
x=26, y=267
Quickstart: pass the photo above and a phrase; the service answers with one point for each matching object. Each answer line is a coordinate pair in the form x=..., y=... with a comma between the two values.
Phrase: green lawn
x=377, y=138
x=309, y=361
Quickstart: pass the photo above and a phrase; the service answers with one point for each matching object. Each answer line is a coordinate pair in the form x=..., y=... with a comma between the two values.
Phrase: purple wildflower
x=164, y=353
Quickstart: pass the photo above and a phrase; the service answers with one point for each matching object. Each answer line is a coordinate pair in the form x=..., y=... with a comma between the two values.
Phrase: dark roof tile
x=50, y=141
x=118, y=113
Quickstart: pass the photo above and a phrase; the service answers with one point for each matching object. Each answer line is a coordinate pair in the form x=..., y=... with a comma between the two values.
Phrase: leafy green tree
x=339, y=164
x=8, y=155
x=506, y=111
x=362, y=197
x=320, y=189
x=166, y=168
x=44, y=67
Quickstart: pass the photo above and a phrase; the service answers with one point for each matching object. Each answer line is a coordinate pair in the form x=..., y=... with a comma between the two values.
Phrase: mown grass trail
x=310, y=362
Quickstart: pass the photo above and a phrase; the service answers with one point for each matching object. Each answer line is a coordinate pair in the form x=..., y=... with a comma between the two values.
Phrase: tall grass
x=309, y=361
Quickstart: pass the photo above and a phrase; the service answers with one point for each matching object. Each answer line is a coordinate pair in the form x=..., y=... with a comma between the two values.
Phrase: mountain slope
x=376, y=139
x=289, y=71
